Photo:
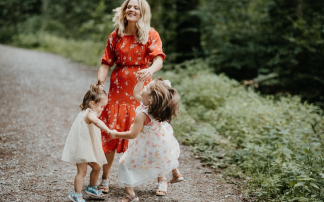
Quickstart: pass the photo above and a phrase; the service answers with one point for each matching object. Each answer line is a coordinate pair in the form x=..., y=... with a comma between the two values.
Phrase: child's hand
x=144, y=74
x=139, y=77
x=112, y=133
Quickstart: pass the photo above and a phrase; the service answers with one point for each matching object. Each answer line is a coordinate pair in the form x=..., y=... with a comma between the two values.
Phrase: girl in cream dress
x=83, y=144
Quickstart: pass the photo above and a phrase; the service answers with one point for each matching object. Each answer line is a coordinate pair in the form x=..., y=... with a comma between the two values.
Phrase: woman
x=132, y=47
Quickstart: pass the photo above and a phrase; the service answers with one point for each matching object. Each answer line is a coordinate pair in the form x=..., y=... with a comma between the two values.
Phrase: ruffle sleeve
x=109, y=57
x=155, y=45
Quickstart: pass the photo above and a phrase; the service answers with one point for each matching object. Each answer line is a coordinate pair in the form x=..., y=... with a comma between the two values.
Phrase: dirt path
x=40, y=94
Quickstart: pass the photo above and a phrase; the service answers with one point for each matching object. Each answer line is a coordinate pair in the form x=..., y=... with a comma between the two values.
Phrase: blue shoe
x=76, y=197
x=93, y=191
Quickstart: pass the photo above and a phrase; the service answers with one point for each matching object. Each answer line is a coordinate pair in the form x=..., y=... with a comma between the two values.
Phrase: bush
x=275, y=142
x=85, y=51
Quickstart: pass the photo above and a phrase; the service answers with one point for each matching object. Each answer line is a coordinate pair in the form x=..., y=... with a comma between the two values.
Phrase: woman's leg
x=94, y=174
x=104, y=185
x=78, y=180
x=106, y=167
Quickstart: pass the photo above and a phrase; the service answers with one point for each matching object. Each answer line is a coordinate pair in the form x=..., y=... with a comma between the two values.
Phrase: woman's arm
x=145, y=74
x=140, y=119
x=103, y=72
x=137, y=90
x=92, y=118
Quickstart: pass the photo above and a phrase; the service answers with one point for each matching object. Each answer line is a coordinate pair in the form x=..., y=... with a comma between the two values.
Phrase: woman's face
x=133, y=13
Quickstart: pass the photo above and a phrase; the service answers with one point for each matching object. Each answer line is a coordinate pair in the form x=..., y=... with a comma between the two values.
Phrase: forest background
x=250, y=72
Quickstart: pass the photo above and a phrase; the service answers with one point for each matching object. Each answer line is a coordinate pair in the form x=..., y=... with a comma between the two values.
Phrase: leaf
x=314, y=185
x=292, y=183
x=299, y=184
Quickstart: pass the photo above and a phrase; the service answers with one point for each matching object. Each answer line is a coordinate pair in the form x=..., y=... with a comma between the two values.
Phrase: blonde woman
x=133, y=46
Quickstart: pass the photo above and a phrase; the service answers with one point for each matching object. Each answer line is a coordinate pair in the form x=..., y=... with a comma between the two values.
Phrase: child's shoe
x=130, y=198
x=93, y=191
x=76, y=197
x=176, y=177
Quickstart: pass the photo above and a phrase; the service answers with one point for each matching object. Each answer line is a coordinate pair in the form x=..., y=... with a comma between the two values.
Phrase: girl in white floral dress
x=153, y=151
x=83, y=144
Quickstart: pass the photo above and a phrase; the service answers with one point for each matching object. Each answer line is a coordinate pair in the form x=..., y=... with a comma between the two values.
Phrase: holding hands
x=144, y=74
x=112, y=133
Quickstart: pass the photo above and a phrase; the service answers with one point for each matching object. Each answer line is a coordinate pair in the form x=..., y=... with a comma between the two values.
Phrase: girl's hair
x=96, y=93
x=164, y=101
x=142, y=25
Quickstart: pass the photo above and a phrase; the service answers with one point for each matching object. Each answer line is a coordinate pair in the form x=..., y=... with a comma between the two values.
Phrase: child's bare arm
x=140, y=119
x=137, y=90
x=92, y=118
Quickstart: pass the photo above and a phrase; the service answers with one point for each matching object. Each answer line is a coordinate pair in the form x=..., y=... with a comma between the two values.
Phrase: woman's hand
x=144, y=74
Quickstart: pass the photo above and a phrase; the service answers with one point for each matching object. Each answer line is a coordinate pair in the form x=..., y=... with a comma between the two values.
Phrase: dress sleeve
x=109, y=57
x=155, y=46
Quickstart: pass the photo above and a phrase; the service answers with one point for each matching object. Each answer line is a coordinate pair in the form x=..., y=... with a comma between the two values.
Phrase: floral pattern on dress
x=154, y=148
x=153, y=153
x=129, y=57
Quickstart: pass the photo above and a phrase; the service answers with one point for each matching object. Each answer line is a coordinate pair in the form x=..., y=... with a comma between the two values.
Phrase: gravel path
x=40, y=94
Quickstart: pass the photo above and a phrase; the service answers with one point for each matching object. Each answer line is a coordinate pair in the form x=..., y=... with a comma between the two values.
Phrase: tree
x=187, y=39
x=14, y=12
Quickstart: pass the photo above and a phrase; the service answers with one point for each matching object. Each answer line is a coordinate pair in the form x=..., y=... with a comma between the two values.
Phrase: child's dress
x=153, y=153
x=83, y=143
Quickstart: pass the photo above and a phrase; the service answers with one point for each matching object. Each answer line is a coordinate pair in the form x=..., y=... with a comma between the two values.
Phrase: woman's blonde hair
x=143, y=24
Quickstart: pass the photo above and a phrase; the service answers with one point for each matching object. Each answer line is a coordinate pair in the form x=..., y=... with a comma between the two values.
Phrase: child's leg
x=129, y=190
x=176, y=176
x=162, y=187
x=94, y=174
x=78, y=180
x=92, y=189
x=175, y=171
x=130, y=195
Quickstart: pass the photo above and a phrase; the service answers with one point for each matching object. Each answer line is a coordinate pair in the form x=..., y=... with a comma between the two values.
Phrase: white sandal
x=177, y=177
x=131, y=198
x=104, y=186
x=161, y=188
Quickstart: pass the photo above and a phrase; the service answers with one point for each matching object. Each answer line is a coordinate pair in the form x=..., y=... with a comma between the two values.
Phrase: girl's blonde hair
x=96, y=93
x=164, y=102
x=143, y=24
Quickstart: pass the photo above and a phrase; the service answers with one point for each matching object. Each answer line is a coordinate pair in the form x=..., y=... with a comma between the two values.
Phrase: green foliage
x=73, y=49
x=275, y=143
x=14, y=12
x=248, y=39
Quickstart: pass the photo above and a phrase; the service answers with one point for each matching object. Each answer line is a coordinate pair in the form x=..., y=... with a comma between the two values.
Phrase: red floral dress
x=129, y=57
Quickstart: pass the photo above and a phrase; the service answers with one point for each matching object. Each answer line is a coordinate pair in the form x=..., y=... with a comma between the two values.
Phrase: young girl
x=154, y=152
x=83, y=144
